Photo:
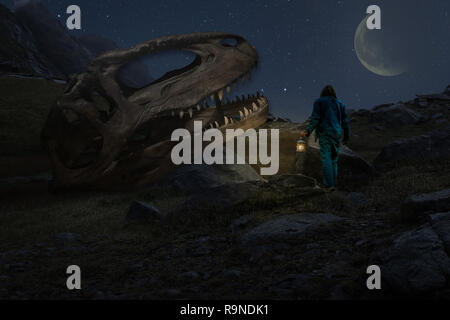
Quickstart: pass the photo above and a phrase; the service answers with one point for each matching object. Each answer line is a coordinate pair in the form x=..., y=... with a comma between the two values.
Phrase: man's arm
x=315, y=118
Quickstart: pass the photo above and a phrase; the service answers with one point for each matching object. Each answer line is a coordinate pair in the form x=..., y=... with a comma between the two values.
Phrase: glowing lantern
x=301, y=145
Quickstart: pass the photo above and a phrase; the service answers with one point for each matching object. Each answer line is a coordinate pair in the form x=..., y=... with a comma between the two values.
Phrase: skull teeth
x=181, y=114
x=246, y=112
x=220, y=95
x=191, y=112
x=255, y=107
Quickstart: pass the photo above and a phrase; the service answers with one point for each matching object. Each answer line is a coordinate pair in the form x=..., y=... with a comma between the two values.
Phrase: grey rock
x=135, y=267
x=441, y=121
x=417, y=262
x=232, y=273
x=295, y=282
x=99, y=295
x=201, y=246
x=195, y=179
x=257, y=253
x=293, y=181
x=240, y=223
x=179, y=251
x=358, y=200
x=143, y=282
x=362, y=113
x=67, y=237
x=142, y=213
x=218, y=198
x=421, y=203
x=422, y=103
x=16, y=267
x=338, y=292
x=361, y=243
x=173, y=292
x=437, y=116
x=447, y=90
x=437, y=96
x=353, y=170
x=395, y=115
x=430, y=146
x=286, y=229
x=189, y=276
x=441, y=225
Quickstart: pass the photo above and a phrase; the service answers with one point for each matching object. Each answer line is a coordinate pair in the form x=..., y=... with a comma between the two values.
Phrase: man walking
x=329, y=119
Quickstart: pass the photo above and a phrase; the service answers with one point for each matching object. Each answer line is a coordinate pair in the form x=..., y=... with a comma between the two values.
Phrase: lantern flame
x=301, y=146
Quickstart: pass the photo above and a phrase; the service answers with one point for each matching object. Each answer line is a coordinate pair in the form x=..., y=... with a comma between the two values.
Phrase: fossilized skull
x=102, y=134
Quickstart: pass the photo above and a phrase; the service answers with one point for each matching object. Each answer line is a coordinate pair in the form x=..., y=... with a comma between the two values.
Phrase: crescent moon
x=373, y=55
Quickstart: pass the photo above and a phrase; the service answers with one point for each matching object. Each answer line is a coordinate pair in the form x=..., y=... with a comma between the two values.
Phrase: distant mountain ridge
x=35, y=43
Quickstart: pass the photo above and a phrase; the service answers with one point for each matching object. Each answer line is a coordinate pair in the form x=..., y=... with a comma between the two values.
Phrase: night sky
x=303, y=45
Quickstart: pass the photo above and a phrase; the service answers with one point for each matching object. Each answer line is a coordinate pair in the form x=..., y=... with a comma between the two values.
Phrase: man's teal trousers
x=329, y=152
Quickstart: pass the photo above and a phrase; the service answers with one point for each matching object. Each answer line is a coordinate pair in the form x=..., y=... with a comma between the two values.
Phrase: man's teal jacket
x=329, y=118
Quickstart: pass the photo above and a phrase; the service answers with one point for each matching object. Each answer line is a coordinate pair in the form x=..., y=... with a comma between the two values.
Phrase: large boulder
x=441, y=225
x=444, y=96
x=430, y=146
x=426, y=202
x=212, y=187
x=195, y=179
x=417, y=263
x=286, y=229
x=353, y=170
x=292, y=181
x=395, y=115
x=142, y=213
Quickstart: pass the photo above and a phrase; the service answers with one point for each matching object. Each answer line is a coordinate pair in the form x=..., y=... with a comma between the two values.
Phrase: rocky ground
x=225, y=232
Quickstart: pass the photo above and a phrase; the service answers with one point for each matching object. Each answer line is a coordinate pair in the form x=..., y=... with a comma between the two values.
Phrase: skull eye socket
x=161, y=66
x=230, y=42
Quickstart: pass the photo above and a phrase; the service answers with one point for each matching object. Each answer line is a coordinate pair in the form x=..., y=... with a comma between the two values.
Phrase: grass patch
x=95, y=216
x=24, y=106
x=393, y=187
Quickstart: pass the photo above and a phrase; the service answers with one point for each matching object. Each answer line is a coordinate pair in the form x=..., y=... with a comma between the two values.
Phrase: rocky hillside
x=19, y=52
x=225, y=232
x=36, y=43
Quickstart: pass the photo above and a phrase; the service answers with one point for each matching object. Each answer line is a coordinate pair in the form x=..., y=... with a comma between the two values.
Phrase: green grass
x=95, y=215
x=24, y=106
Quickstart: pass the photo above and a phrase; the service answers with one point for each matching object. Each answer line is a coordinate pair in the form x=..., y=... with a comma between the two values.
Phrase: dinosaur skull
x=102, y=134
